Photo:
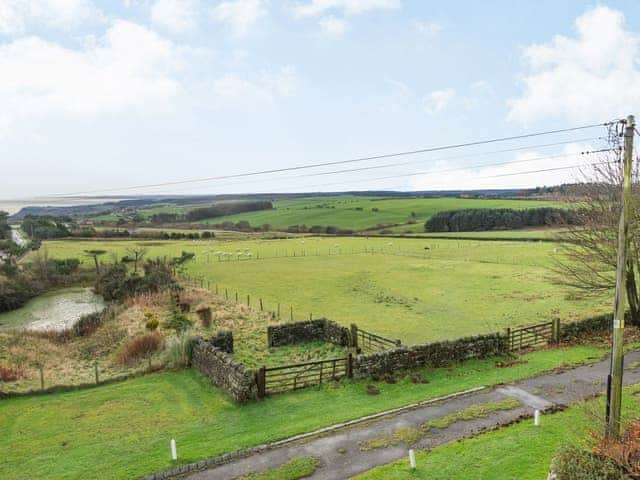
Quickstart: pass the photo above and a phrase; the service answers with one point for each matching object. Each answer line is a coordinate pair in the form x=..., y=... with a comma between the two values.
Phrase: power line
x=340, y=162
x=455, y=157
x=548, y=169
x=457, y=169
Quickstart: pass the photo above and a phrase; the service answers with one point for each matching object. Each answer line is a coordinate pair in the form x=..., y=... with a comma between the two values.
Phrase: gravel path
x=342, y=455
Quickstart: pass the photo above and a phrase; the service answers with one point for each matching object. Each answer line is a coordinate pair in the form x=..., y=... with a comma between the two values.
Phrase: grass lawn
x=358, y=213
x=416, y=290
x=521, y=451
x=123, y=430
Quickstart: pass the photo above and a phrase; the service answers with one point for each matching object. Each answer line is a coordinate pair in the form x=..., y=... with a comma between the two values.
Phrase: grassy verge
x=294, y=469
x=520, y=451
x=123, y=430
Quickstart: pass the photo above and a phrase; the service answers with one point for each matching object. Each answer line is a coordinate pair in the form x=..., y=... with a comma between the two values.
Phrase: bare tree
x=590, y=248
x=95, y=254
x=138, y=254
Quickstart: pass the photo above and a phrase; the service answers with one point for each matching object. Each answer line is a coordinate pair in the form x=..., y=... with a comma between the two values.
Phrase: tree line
x=212, y=211
x=499, y=219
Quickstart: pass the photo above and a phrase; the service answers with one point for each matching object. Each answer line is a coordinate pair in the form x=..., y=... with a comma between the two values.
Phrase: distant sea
x=14, y=205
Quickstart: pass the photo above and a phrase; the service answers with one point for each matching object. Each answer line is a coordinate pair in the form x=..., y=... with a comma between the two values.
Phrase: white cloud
x=509, y=175
x=177, y=16
x=351, y=7
x=593, y=75
x=239, y=15
x=18, y=15
x=426, y=28
x=130, y=66
x=235, y=89
x=332, y=26
x=438, y=100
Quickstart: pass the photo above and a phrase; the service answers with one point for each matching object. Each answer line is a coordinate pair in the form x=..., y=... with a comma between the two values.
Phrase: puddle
x=55, y=310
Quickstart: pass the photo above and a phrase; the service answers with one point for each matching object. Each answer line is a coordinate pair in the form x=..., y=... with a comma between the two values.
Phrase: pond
x=56, y=310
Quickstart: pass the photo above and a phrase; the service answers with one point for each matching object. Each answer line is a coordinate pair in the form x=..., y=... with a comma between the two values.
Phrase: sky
x=101, y=95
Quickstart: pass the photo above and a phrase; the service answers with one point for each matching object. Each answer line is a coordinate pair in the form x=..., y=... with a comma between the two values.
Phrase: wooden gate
x=368, y=342
x=531, y=336
x=300, y=375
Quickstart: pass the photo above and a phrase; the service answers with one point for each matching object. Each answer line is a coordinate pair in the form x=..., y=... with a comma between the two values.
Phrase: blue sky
x=101, y=94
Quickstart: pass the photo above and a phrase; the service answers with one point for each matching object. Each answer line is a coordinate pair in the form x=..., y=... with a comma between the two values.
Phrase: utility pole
x=614, y=393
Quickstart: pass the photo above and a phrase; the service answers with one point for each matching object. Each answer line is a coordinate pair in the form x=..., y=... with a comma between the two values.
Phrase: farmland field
x=364, y=212
x=415, y=290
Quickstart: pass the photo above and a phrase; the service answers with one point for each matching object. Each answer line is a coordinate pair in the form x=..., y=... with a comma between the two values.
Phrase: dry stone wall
x=222, y=370
x=308, y=331
x=437, y=354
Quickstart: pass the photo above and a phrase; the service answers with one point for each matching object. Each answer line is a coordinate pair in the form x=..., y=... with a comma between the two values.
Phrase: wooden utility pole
x=614, y=394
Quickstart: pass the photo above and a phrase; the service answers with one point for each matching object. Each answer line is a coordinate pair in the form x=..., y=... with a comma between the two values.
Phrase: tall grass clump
x=180, y=348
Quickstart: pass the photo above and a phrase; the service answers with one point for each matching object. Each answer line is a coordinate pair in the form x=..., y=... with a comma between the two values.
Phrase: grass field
x=358, y=212
x=452, y=289
x=123, y=430
x=521, y=451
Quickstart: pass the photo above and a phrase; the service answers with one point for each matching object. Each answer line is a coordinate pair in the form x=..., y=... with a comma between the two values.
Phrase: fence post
x=509, y=339
x=349, y=365
x=354, y=336
x=226, y=294
x=291, y=306
x=95, y=365
x=236, y=297
x=278, y=311
x=261, y=306
x=261, y=382
x=556, y=330
x=248, y=300
x=310, y=316
x=41, y=376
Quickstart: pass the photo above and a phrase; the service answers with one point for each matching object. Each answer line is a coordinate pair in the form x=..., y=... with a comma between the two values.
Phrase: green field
x=521, y=451
x=454, y=288
x=357, y=213
x=123, y=430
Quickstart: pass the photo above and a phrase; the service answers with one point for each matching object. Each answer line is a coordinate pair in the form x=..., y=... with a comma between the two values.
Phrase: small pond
x=56, y=310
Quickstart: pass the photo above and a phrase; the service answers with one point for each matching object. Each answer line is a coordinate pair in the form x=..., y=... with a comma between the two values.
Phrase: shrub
x=204, y=313
x=88, y=324
x=9, y=374
x=152, y=324
x=143, y=346
x=574, y=463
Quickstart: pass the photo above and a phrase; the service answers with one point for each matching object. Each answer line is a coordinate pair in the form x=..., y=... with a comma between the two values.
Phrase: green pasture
x=358, y=213
x=521, y=451
x=123, y=430
x=415, y=290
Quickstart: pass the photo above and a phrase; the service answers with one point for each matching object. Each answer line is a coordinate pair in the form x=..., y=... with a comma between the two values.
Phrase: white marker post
x=412, y=459
x=174, y=452
x=536, y=418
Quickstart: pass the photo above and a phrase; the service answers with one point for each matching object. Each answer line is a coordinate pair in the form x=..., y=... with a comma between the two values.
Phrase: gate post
x=350, y=365
x=556, y=330
x=509, y=343
x=261, y=382
x=354, y=336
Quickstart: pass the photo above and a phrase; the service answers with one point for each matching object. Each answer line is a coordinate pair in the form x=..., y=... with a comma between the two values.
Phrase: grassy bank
x=521, y=451
x=123, y=430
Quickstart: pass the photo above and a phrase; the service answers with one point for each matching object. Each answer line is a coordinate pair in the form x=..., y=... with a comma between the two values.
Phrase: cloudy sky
x=106, y=94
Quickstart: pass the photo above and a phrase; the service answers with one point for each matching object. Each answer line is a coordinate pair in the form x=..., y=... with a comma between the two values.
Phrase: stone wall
x=222, y=370
x=308, y=331
x=437, y=354
x=594, y=325
x=223, y=340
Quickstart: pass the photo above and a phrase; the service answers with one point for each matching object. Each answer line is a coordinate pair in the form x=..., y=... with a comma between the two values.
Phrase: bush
x=574, y=463
x=9, y=374
x=143, y=346
x=88, y=324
